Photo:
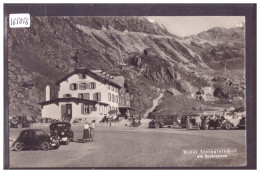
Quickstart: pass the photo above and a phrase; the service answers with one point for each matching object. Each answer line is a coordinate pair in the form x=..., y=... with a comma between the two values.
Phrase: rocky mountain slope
x=153, y=58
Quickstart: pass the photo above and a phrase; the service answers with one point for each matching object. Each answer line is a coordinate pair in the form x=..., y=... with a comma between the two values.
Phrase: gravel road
x=138, y=147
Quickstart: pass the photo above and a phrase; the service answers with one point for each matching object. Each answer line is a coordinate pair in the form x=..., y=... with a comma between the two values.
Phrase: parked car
x=154, y=124
x=20, y=122
x=35, y=139
x=157, y=123
x=234, y=123
x=162, y=121
x=209, y=121
x=63, y=131
x=177, y=120
x=189, y=121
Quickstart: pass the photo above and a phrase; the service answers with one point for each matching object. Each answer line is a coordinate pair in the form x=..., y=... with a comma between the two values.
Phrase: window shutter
x=87, y=85
x=82, y=108
x=94, y=96
x=99, y=96
x=71, y=85
x=89, y=109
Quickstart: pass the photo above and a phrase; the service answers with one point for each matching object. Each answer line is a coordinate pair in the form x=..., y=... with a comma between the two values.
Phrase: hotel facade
x=88, y=95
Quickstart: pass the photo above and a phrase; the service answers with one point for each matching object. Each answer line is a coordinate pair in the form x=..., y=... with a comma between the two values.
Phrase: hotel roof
x=91, y=74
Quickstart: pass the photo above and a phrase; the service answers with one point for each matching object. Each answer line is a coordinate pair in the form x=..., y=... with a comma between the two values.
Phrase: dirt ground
x=139, y=147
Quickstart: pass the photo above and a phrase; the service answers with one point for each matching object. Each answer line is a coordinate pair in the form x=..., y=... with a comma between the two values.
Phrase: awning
x=72, y=99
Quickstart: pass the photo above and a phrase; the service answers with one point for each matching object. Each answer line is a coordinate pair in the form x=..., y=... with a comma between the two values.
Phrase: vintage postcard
x=126, y=91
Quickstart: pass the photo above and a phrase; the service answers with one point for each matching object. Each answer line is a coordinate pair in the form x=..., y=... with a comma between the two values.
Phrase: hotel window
x=80, y=95
x=85, y=109
x=97, y=96
x=82, y=86
x=92, y=85
x=86, y=96
x=66, y=95
x=101, y=109
x=109, y=96
x=116, y=99
x=82, y=76
x=109, y=108
x=113, y=98
x=73, y=86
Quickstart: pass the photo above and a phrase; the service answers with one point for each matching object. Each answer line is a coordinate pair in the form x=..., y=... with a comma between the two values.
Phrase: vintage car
x=20, y=122
x=211, y=121
x=188, y=121
x=234, y=123
x=155, y=124
x=35, y=139
x=191, y=121
x=177, y=120
x=63, y=131
x=162, y=121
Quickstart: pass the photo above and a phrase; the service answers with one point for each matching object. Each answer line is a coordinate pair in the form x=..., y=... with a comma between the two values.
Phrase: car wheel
x=57, y=145
x=45, y=146
x=18, y=146
x=68, y=141
x=228, y=125
x=19, y=126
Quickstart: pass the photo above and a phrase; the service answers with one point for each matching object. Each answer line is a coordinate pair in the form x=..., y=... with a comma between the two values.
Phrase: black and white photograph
x=126, y=91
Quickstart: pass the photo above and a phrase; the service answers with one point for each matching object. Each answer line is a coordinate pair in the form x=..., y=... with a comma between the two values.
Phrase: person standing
x=198, y=121
x=92, y=130
x=86, y=132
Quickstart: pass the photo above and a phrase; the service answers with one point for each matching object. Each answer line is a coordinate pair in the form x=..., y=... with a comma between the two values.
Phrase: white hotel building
x=86, y=94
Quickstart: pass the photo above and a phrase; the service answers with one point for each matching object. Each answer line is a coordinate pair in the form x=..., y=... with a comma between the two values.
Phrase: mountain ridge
x=54, y=46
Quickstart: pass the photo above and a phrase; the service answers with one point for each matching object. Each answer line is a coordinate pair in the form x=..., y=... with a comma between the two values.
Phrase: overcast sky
x=188, y=25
